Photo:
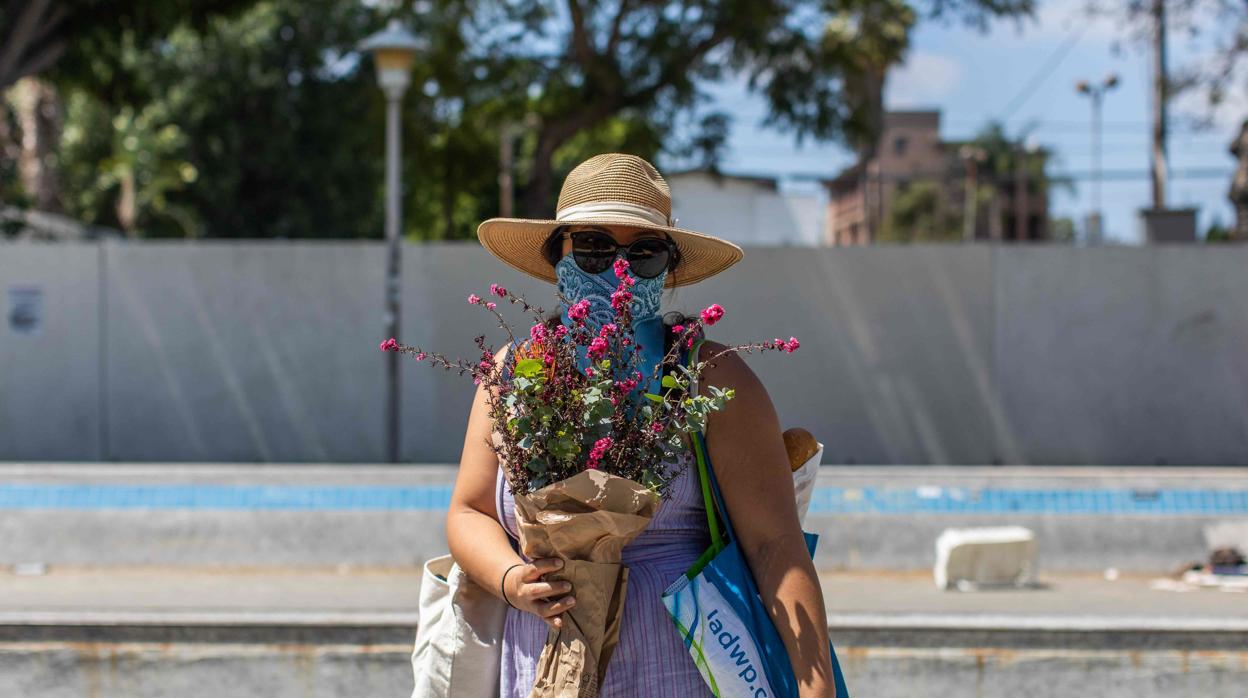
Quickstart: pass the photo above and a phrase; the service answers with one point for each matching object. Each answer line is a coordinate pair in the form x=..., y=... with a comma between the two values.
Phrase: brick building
x=911, y=158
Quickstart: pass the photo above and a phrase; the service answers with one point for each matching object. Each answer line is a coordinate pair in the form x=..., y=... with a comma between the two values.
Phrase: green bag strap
x=708, y=499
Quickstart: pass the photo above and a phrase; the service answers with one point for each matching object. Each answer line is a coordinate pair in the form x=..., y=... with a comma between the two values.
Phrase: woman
x=610, y=205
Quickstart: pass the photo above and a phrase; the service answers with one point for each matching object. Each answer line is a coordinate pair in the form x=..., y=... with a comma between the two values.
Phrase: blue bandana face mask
x=575, y=284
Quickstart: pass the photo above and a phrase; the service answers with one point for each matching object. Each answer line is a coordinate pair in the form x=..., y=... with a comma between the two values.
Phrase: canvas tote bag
x=459, y=635
x=718, y=612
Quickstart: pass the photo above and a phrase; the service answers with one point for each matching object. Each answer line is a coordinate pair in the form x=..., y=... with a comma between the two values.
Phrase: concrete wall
x=289, y=670
x=267, y=351
x=51, y=385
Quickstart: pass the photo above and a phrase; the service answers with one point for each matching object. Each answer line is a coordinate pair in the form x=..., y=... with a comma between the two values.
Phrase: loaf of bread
x=801, y=445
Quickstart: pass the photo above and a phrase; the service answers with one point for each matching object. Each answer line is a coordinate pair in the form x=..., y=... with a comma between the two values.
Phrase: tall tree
x=82, y=37
x=258, y=119
x=816, y=63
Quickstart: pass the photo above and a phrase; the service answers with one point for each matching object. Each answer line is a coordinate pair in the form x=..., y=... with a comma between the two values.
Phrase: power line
x=1121, y=175
x=1054, y=60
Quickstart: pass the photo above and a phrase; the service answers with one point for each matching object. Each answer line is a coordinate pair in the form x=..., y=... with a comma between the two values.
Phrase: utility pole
x=506, y=156
x=507, y=162
x=971, y=157
x=1160, y=90
x=1020, y=194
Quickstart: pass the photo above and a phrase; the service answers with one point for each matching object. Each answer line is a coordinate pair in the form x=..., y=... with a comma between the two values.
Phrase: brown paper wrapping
x=585, y=520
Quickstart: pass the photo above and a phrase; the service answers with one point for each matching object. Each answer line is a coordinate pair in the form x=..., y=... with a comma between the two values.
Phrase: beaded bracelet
x=502, y=585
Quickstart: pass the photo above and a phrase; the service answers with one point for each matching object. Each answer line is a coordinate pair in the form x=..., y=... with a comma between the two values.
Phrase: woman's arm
x=476, y=538
x=747, y=451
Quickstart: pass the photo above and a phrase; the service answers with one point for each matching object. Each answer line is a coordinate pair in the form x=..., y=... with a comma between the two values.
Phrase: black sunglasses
x=594, y=251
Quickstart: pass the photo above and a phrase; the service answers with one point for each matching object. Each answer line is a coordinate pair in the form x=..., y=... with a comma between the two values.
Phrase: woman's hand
x=527, y=591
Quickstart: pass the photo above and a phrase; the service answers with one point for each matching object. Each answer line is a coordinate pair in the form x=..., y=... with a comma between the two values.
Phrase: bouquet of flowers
x=589, y=440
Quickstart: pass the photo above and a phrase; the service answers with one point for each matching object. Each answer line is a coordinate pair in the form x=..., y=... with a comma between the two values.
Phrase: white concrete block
x=1232, y=533
x=969, y=557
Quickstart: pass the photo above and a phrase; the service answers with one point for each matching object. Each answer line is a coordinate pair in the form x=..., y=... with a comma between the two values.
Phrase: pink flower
x=579, y=311
x=620, y=300
x=601, y=446
x=420, y=356
x=589, y=372
x=491, y=306
x=598, y=348
x=498, y=290
x=626, y=341
x=657, y=427
x=389, y=345
x=538, y=333
x=678, y=329
x=561, y=331
x=607, y=330
x=548, y=358
x=712, y=314
x=473, y=299
x=621, y=268
x=792, y=345
x=486, y=365
x=779, y=343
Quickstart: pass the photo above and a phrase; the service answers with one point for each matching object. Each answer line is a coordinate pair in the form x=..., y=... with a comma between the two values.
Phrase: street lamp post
x=1097, y=94
x=393, y=50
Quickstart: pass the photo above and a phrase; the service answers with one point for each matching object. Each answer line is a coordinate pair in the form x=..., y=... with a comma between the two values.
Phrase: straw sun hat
x=609, y=189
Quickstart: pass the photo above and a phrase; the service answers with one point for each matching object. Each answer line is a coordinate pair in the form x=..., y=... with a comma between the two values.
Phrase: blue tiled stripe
x=273, y=497
x=952, y=500
x=825, y=500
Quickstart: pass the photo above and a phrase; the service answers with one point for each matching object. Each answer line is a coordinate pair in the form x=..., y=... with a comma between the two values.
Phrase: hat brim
x=518, y=243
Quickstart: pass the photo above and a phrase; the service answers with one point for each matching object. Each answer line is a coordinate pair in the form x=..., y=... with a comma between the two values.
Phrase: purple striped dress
x=651, y=660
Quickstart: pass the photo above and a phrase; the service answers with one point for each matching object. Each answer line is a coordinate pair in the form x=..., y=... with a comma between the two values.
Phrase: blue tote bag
x=717, y=609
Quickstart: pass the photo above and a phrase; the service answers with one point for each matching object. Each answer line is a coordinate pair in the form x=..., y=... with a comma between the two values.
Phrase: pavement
x=272, y=632
x=363, y=596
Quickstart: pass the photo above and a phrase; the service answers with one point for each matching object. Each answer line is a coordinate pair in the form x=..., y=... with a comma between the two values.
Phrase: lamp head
x=393, y=48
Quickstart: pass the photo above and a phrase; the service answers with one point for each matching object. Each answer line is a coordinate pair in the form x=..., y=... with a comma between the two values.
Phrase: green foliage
x=256, y=119
x=1062, y=230
x=125, y=169
x=1218, y=232
x=529, y=368
x=922, y=212
x=246, y=127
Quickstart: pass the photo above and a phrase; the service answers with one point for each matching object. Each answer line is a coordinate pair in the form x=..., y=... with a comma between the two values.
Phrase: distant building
x=745, y=209
x=914, y=187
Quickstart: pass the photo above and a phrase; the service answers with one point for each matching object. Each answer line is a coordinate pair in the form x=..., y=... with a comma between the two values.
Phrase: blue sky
x=973, y=77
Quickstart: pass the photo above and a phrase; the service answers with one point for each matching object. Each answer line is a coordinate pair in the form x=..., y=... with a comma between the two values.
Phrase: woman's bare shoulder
x=728, y=370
